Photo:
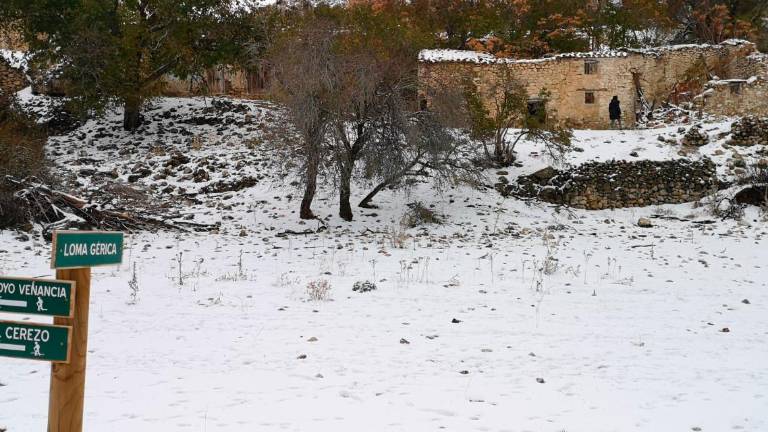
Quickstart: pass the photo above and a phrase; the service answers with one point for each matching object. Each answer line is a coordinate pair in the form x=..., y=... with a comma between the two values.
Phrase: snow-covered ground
x=509, y=316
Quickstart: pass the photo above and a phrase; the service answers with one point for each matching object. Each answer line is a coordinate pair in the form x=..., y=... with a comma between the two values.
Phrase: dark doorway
x=537, y=112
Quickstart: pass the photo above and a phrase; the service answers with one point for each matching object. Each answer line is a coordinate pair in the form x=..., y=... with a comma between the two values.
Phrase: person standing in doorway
x=614, y=111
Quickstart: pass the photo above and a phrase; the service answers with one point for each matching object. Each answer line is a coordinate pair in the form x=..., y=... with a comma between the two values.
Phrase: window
x=589, y=97
x=590, y=67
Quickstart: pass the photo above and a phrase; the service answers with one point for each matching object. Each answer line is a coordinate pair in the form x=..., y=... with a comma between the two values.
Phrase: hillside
x=508, y=314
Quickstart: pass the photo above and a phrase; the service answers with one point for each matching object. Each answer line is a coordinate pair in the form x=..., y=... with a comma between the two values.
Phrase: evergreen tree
x=116, y=52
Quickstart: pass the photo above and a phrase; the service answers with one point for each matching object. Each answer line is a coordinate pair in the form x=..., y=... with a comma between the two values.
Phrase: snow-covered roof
x=721, y=82
x=466, y=56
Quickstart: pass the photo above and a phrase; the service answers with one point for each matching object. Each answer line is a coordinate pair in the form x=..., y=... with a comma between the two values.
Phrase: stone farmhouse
x=581, y=85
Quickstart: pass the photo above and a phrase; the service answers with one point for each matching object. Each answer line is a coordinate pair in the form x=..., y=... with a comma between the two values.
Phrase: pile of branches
x=56, y=210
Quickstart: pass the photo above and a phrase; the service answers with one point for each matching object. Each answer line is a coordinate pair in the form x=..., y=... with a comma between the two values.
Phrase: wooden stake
x=67, y=396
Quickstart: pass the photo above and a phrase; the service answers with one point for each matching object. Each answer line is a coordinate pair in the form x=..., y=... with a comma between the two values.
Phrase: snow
x=624, y=330
x=465, y=56
x=15, y=59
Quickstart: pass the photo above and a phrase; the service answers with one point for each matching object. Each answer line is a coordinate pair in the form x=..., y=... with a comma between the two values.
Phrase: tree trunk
x=313, y=162
x=345, y=209
x=132, y=113
x=366, y=202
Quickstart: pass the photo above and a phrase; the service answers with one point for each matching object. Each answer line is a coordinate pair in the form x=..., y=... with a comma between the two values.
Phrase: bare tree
x=304, y=81
x=420, y=144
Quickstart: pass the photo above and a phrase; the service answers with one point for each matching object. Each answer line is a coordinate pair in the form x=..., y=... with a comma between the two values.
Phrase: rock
x=201, y=175
x=545, y=174
x=404, y=341
x=644, y=223
x=177, y=158
x=634, y=154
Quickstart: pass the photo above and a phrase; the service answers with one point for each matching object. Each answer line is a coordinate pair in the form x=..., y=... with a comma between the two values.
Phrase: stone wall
x=735, y=97
x=11, y=41
x=658, y=72
x=617, y=184
x=11, y=79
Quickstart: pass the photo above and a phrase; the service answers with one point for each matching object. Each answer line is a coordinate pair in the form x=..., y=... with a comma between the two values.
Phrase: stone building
x=581, y=85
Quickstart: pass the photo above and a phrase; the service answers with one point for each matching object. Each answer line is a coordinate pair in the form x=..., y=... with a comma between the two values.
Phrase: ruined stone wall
x=11, y=79
x=659, y=72
x=735, y=97
x=11, y=41
x=618, y=184
x=663, y=70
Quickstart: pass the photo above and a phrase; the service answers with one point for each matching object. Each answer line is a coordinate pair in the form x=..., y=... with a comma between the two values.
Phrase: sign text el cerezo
x=35, y=341
x=76, y=249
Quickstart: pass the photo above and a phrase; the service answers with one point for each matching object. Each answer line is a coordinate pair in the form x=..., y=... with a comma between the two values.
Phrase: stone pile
x=617, y=184
x=695, y=137
x=749, y=131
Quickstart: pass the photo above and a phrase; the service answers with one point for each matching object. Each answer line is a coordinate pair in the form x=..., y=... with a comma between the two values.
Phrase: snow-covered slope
x=510, y=316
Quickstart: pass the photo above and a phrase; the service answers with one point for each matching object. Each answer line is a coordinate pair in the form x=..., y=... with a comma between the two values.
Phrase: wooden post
x=67, y=395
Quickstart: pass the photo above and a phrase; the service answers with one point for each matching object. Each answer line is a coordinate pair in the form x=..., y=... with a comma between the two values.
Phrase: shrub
x=22, y=154
x=319, y=290
x=363, y=286
x=419, y=215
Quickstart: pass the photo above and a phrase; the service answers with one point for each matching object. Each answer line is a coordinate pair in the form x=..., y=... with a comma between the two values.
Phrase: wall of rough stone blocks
x=619, y=184
x=658, y=72
x=11, y=80
x=736, y=98
x=11, y=41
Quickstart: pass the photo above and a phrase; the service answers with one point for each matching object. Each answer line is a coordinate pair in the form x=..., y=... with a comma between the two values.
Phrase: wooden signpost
x=66, y=298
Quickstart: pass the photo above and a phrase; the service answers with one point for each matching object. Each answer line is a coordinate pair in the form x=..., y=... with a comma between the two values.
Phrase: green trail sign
x=35, y=341
x=37, y=296
x=77, y=249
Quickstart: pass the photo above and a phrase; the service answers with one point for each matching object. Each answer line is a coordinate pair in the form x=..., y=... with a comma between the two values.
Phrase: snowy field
x=509, y=316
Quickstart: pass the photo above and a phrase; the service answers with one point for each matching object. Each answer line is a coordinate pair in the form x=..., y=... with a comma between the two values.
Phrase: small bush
x=22, y=145
x=22, y=154
x=419, y=215
x=364, y=286
x=319, y=290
